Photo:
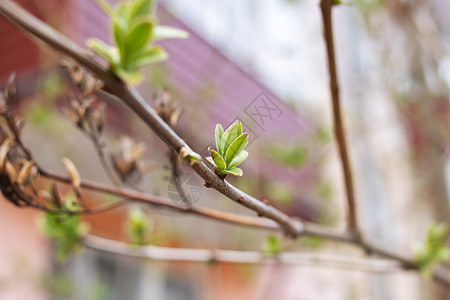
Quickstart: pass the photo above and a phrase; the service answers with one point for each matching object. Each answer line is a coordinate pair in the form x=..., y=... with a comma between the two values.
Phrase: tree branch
x=326, y=8
x=254, y=222
x=233, y=256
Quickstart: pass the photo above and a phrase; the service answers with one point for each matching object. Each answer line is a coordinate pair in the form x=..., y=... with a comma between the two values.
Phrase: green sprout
x=64, y=229
x=138, y=226
x=134, y=28
x=433, y=250
x=230, y=150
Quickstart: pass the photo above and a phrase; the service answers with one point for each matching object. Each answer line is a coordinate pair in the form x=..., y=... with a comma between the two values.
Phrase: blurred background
x=263, y=63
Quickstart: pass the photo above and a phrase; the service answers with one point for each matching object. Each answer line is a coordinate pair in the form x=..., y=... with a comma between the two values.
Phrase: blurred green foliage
x=61, y=286
x=280, y=192
x=311, y=242
x=289, y=156
x=433, y=250
x=138, y=226
x=64, y=229
x=272, y=246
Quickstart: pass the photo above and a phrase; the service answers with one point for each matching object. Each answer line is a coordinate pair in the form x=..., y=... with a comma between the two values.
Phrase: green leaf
x=211, y=160
x=235, y=148
x=148, y=55
x=130, y=77
x=141, y=8
x=123, y=11
x=218, y=135
x=102, y=49
x=115, y=17
x=239, y=128
x=220, y=163
x=233, y=171
x=238, y=159
x=272, y=245
x=167, y=32
x=136, y=39
x=228, y=137
x=119, y=36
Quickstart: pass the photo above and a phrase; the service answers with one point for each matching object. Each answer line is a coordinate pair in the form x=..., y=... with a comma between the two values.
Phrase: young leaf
x=141, y=8
x=234, y=171
x=228, y=137
x=115, y=17
x=119, y=36
x=131, y=77
x=238, y=159
x=239, y=129
x=136, y=39
x=102, y=49
x=123, y=11
x=220, y=163
x=149, y=55
x=218, y=135
x=167, y=32
x=235, y=148
x=211, y=160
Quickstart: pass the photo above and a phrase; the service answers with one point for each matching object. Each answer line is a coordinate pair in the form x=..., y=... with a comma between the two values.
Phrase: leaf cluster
x=230, y=149
x=134, y=28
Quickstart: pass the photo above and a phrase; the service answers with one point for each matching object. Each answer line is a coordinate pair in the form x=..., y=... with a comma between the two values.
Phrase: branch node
x=205, y=184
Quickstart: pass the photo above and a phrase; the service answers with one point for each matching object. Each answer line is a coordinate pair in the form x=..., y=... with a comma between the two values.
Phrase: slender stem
x=176, y=173
x=247, y=257
x=136, y=196
x=95, y=138
x=326, y=8
x=254, y=222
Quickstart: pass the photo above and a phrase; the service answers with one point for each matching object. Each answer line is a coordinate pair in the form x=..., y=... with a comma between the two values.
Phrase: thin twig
x=247, y=257
x=95, y=138
x=176, y=173
x=326, y=8
x=254, y=222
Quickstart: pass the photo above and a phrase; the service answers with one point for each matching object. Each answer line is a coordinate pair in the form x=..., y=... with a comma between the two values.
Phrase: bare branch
x=247, y=257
